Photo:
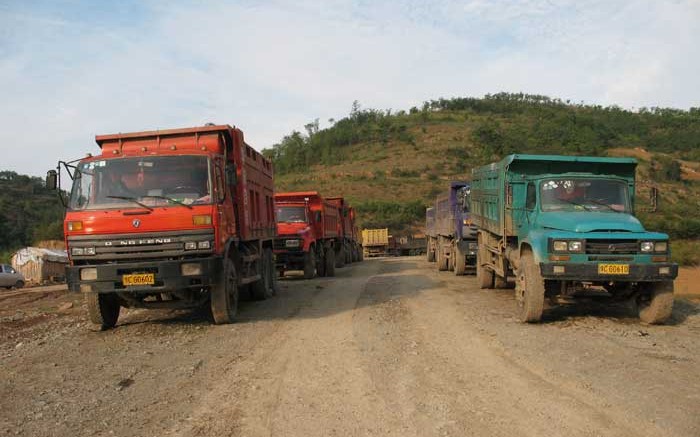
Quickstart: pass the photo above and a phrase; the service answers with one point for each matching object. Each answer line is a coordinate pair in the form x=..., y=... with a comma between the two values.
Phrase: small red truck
x=350, y=249
x=169, y=219
x=309, y=236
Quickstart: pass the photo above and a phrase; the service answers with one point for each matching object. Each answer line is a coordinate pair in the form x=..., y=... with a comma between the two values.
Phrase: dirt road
x=388, y=347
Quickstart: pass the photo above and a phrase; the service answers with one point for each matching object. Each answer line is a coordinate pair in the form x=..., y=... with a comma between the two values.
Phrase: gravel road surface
x=389, y=347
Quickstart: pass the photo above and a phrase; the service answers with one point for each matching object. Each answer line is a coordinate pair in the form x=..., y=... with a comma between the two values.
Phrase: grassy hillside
x=392, y=164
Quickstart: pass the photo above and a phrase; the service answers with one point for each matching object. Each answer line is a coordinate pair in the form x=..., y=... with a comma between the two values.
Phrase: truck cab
x=565, y=224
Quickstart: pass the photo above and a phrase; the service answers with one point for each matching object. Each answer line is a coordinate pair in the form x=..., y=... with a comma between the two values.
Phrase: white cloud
x=271, y=67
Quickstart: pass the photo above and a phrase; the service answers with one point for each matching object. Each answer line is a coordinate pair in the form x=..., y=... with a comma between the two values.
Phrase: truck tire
x=340, y=257
x=459, y=261
x=655, y=302
x=330, y=262
x=529, y=290
x=442, y=262
x=309, y=264
x=103, y=309
x=224, y=295
x=348, y=253
x=361, y=253
x=265, y=287
x=321, y=263
x=484, y=275
x=451, y=261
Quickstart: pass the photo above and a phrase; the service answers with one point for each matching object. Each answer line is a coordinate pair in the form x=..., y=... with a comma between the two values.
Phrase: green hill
x=29, y=213
x=392, y=164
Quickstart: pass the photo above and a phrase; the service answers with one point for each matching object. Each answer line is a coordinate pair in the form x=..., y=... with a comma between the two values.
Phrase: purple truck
x=451, y=236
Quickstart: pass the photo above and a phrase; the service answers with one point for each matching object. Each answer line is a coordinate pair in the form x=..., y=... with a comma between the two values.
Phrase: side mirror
x=51, y=179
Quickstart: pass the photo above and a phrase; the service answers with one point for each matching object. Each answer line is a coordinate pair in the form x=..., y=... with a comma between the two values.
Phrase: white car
x=10, y=277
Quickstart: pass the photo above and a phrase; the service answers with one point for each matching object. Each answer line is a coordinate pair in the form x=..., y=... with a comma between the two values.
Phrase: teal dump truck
x=565, y=224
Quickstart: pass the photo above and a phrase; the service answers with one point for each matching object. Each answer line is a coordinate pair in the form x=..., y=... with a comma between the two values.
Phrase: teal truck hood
x=589, y=221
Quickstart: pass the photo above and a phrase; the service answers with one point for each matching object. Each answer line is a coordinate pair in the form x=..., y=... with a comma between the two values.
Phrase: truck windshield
x=141, y=182
x=583, y=194
x=291, y=214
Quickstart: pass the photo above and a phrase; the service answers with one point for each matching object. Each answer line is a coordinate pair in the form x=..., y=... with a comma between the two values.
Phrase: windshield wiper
x=169, y=199
x=604, y=204
x=131, y=199
x=574, y=203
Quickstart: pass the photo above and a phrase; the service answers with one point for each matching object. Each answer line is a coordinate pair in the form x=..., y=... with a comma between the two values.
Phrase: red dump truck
x=169, y=219
x=350, y=249
x=309, y=234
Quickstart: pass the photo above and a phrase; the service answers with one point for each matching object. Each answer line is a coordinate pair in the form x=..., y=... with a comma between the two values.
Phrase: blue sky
x=73, y=69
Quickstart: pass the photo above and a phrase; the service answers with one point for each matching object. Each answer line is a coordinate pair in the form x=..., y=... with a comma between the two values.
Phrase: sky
x=72, y=69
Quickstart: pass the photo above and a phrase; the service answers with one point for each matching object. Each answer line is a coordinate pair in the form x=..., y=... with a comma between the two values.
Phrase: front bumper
x=589, y=272
x=289, y=259
x=168, y=276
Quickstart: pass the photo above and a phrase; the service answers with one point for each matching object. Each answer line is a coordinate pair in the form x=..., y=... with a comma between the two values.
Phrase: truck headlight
x=661, y=246
x=203, y=245
x=191, y=245
x=80, y=251
x=567, y=246
x=647, y=246
x=575, y=246
x=560, y=246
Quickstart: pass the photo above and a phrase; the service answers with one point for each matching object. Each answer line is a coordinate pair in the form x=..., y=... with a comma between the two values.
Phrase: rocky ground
x=388, y=347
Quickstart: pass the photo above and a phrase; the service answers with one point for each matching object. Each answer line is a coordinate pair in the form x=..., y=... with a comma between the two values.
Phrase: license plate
x=139, y=279
x=613, y=269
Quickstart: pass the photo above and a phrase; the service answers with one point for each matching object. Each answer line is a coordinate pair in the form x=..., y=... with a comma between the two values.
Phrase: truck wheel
x=321, y=263
x=442, y=262
x=529, y=290
x=340, y=257
x=348, y=254
x=459, y=261
x=655, y=302
x=330, y=262
x=484, y=275
x=264, y=288
x=103, y=309
x=430, y=249
x=224, y=295
x=309, y=264
x=361, y=253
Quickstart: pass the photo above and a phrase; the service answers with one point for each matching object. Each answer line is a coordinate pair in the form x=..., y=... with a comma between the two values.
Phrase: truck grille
x=127, y=247
x=621, y=247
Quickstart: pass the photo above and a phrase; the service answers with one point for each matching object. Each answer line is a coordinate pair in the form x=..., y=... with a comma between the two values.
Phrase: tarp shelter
x=39, y=265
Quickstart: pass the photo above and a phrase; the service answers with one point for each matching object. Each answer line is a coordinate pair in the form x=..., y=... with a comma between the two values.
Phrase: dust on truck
x=308, y=229
x=565, y=224
x=170, y=219
x=430, y=235
x=350, y=249
x=455, y=235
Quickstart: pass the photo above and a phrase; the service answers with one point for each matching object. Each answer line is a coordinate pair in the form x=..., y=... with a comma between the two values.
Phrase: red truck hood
x=291, y=228
x=125, y=221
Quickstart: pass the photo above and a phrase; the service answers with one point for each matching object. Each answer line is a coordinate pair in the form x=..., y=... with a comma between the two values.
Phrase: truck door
x=224, y=205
